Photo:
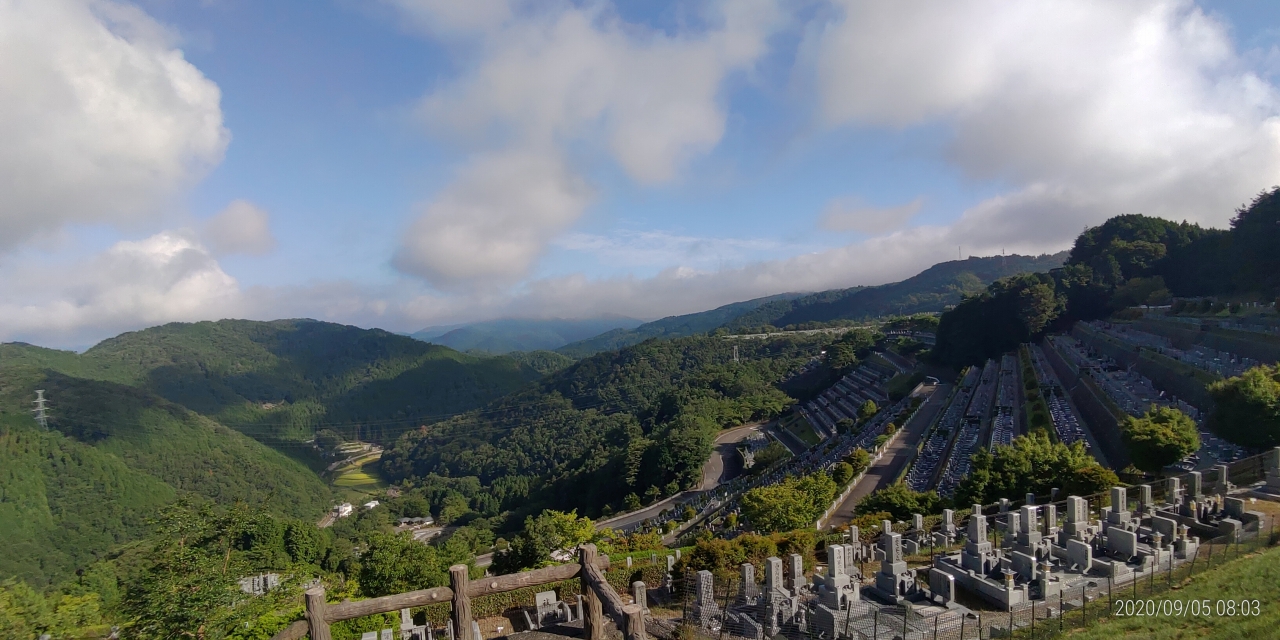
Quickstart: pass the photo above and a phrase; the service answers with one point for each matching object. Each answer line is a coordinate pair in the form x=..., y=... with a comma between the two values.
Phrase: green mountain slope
x=278, y=381
x=639, y=420
x=519, y=334
x=112, y=456
x=669, y=327
x=933, y=289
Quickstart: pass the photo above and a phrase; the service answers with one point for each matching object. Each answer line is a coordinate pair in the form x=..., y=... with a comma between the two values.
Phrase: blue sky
x=403, y=163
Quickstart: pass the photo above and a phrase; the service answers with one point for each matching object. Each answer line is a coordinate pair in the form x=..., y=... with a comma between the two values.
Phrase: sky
x=408, y=163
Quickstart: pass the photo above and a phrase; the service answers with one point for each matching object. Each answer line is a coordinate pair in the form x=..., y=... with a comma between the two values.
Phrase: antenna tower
x=41, y=416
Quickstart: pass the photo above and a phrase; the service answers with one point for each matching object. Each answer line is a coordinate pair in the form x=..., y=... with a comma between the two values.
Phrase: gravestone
x=1031, y=499
x=948, y=523
x=705, y=610
x=773, y=578
x=1172, y=491
x=1194, y=488
x=1077, y=517
x=1145, y=503
x=640, y=593
x=747, y=591
x=977, y=553
x=942, y=585
x=1273, y=471
x=797, y=573
x=1222, y=483
x=1122, y=543
x=1233, y=508
x=1023, y=564
x=1079, y=556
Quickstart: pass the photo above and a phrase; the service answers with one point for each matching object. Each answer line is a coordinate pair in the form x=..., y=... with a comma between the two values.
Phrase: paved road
x=883, y=472
x=722, y=466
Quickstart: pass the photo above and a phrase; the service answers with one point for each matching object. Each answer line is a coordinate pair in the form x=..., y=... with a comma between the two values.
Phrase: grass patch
x=796, y=425
x=902, y=384
x=1252, y=577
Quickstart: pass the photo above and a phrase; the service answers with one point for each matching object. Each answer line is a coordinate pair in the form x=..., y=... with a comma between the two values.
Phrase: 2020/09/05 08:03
x=1188, y=608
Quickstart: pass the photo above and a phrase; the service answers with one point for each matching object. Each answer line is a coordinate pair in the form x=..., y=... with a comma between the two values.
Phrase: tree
x=550, y=531
x=845, y=425
x=859, y=459
x=396, y=563
x=900, y=501
x=1160, y=438
x=842, y=473
x=1032, y=464
x=1247, y=408
x=791, y=504
x=188, y=584
x=687, y=513
x=631, y=502
x=779, y=507
x=867, y=410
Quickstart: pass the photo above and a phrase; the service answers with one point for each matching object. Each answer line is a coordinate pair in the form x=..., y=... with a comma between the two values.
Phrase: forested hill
x=933, y=289
x=1128, y=260
x=635, y=422
x=520, y=334
x=668, y=327
x=278, y=381
x=112, y=456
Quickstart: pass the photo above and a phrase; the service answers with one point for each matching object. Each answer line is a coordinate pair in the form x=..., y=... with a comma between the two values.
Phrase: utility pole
x=735, y=353
x=41, y=416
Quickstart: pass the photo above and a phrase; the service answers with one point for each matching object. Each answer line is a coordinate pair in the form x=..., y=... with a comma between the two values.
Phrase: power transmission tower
x=41, y=416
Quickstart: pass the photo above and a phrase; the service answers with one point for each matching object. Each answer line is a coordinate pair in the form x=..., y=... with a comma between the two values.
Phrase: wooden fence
x=599, y=598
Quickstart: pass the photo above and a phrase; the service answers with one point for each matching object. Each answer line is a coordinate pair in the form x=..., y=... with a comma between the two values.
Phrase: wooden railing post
x=592, y=612
x=635, y=622
x=461, y=615
x=316, y=624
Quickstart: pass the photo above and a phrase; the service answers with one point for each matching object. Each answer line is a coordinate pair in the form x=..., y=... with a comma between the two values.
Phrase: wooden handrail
x=628, y=617
x=320, y=613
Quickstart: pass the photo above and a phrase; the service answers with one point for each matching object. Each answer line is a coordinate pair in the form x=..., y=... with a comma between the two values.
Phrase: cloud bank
x=562, y=81
x=104, y=120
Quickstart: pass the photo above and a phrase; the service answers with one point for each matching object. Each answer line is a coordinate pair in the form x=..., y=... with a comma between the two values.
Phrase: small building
x=343, y=510
x=371, y=504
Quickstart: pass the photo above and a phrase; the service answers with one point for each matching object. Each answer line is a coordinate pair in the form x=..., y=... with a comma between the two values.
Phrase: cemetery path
x=883, y=472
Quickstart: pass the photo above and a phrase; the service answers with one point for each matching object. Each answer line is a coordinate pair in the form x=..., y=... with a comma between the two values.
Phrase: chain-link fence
x=722, y=613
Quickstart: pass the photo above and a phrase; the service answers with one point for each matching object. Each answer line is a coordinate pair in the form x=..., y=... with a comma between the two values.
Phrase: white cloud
x=1085, y=109
x=494, y=221
x=166, y=277
x=662, y=249
x=566, y=78
x=242, y=227
x=104, y=119
x=852, y=214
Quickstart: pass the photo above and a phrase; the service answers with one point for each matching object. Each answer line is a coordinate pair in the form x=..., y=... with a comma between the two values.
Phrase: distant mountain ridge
x=505, y=335
x=669, y=327
x=933, y=289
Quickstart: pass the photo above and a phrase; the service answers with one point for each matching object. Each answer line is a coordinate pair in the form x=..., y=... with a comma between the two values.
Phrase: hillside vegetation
x=607, y=430
x=668, y=327
x=933, y=289
x=277, y=381
x=1128, y=260
x=520, y=334
x=113, y=455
